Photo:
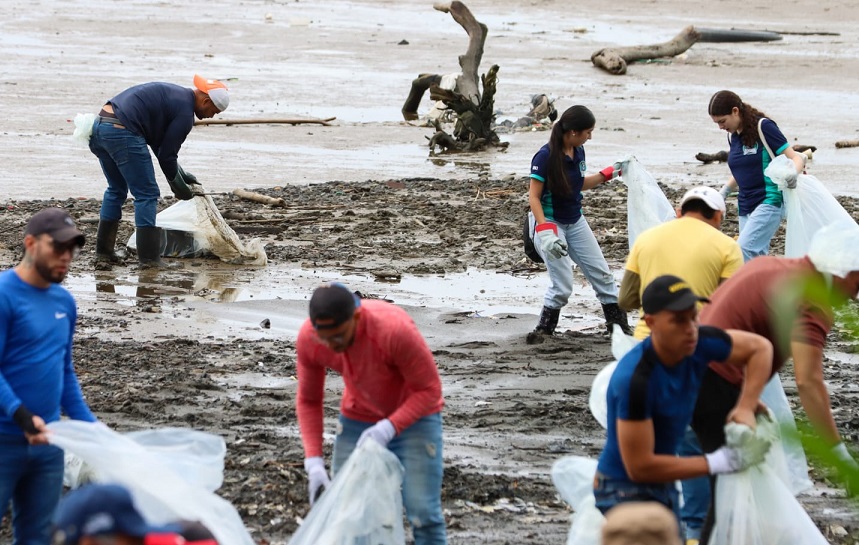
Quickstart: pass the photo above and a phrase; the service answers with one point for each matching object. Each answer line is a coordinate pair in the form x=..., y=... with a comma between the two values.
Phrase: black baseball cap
x=669, y=292
x=57, y=223
x=332, y=302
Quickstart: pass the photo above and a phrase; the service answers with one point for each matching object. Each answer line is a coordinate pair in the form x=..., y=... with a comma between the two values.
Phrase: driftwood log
x=258, y=197
x=847, y=144
x=722, y=156
x=265, y=121
x=615, y=59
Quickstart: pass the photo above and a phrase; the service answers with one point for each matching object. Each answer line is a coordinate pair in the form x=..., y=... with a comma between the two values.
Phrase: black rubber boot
x=546, y=326
x=615, y=315
x=149, y=248
x=105, y=243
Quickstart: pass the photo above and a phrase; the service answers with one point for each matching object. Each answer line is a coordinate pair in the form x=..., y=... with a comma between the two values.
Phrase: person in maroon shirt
x=789, y=302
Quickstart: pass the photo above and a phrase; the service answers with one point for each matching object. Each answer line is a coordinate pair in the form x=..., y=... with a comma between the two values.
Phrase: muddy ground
x=185, y=347
x=512, y=409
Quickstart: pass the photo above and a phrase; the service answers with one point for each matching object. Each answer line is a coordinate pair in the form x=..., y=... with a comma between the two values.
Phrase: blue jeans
x=32, y=478
x=125, y=161
x=418, y=448
x=585, y=252
x=609, y=492
x=757, y=230
x=696, y=492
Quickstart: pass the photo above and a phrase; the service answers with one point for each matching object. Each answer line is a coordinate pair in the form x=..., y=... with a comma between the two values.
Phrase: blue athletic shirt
x=642, y=388
x=163, y=114
x=748, y=164
x=566, y=210
x=36, y=329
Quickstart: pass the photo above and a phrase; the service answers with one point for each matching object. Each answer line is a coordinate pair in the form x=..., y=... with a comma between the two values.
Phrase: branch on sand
x=615, y=59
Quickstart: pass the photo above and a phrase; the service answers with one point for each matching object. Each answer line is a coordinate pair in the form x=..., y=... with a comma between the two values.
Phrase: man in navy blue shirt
x=151, y=115
x=37, y=380
x=652, y=393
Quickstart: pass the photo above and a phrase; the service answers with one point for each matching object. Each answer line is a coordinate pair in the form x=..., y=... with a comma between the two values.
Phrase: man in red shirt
x=391, y=395
x=789, y=302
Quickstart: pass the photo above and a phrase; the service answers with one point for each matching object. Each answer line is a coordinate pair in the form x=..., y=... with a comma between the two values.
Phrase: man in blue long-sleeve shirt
x=37, y=379
x=150, y=115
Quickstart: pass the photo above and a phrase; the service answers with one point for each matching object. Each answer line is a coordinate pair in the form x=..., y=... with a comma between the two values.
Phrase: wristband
x=608, y=173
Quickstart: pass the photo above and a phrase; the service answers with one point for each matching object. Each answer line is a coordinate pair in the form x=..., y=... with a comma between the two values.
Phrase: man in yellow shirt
x=693, y=248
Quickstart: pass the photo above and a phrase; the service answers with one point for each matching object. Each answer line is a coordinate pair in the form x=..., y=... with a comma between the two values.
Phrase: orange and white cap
x=216, y=90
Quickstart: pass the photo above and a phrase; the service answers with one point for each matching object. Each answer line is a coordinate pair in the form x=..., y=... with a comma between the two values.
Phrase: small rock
x=265, y=324
x=403, y=42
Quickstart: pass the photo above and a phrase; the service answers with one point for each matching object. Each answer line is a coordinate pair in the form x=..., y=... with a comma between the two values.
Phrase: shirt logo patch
x=535, y=168
x=750, y=151
x=59, y=315
x=582, y=167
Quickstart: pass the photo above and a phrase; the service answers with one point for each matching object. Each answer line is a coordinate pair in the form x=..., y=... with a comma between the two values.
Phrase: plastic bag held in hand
x=743, y=450
x=552, y=246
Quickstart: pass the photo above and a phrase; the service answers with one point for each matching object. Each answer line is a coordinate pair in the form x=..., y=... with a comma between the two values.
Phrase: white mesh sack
x=195, y=227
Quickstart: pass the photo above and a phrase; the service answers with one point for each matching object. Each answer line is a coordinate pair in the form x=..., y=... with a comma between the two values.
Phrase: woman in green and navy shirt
x=759, y=200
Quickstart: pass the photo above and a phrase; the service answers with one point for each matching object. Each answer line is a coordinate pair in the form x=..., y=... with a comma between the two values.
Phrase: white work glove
x=843, y=455
x=552, y=246
x=317, y=477
x=790, y=180
x=381, y=432
x=750, y=451
x=725, y=191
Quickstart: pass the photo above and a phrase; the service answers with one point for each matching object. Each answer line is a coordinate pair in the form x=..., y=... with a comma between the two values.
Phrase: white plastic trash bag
x=647, y=206
x=195, y=228
x=196, y=455
x=573, y=476
x=161, y=492
x=620, y=345
x=756, y=507
x=363, y=505
x=83, y=128
x=810, y=206
x=796, y=465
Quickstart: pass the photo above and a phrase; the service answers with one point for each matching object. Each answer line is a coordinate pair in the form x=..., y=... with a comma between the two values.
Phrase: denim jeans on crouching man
x=418, y=448
x=609, y=492
x=127, y=165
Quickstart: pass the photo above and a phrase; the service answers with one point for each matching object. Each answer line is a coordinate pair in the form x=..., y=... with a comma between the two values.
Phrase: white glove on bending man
x=317, y=477
x=381, y=432
x=751, y=451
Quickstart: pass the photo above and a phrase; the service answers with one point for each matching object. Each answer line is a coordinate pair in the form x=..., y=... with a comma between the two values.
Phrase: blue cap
x=100, y=509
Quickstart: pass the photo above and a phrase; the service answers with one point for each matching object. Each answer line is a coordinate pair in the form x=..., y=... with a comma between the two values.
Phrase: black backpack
x=528, y=240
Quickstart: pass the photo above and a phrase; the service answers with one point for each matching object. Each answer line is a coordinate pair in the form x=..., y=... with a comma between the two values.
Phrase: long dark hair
x=724, y=102
x=575, y=118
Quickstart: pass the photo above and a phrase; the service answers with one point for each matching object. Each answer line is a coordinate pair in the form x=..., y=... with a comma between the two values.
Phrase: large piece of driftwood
x=310, y=121
x=615, y=59
x=847, y=144
x=258, y=197
x=467, y=80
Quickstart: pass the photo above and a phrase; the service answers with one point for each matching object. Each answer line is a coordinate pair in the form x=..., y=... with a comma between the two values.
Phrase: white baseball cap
x=710, y=196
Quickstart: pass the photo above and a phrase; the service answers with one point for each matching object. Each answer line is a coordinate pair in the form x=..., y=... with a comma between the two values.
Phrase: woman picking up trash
x=755, y=141
x=562, y=233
